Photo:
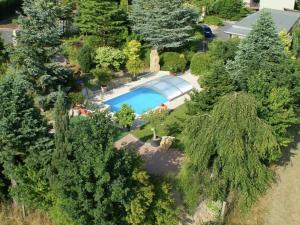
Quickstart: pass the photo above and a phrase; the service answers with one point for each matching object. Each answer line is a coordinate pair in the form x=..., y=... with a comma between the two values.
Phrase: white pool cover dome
x=169, y=86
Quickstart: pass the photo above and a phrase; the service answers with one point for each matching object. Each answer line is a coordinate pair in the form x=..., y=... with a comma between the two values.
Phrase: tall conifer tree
x=24, y=141
x=261, y=67
x=103, y=18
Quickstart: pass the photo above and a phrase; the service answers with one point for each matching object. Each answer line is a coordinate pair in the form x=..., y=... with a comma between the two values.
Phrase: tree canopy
x=231, y=147
x=162, y=24
x=103, y=18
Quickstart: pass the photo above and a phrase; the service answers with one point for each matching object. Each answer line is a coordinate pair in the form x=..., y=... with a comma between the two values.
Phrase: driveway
x=219, y=32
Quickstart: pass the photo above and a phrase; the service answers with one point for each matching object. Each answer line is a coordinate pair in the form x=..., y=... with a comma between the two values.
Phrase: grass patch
x=172, y=126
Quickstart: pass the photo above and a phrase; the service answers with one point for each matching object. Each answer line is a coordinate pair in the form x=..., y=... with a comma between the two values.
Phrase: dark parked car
x=207, y=31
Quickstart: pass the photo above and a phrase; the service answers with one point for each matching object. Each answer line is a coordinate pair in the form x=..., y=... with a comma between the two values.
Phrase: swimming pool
x=141, y=100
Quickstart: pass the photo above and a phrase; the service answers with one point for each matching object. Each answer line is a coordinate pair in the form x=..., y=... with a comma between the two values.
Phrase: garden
x=65, y=169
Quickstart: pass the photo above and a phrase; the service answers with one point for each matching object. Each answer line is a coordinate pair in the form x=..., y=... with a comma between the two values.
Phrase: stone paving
x=157, y=161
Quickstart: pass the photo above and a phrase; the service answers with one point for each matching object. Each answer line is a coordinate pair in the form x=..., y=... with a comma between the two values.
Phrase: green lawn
x=173, y=126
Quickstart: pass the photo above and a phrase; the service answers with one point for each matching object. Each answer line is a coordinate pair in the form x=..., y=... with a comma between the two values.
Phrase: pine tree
x=24, y=141
x=162, y=24
x=103, y=18
x=231, y=147
x=37, y=45
x=261, y=66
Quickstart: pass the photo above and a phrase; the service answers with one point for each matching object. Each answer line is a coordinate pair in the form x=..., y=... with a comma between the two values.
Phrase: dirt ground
x=281, y=204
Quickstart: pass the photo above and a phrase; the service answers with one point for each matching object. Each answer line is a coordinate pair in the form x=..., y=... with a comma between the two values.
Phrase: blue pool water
x=141, y=100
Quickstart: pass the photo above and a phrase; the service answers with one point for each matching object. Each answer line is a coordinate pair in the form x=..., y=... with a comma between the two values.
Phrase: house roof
x=284, y=20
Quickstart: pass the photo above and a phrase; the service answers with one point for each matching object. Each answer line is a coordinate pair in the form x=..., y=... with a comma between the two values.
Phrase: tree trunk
x=154, y=61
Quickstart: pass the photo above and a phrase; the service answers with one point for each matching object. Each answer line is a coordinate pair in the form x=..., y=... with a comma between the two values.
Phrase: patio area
x=157, y=161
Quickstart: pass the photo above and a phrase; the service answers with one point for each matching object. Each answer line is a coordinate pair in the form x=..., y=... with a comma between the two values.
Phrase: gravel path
x=283, y=200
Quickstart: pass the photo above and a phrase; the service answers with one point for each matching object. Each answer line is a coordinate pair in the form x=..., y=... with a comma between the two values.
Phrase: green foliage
x=213, y=20
x=223, y=50
x=76, y=98
x=173, y=62
x=85, y=58
x=38, y=41
x=132, y=51
x=190, y=187
x=155, y=118
x=162, y=24
x=3, y=58
x=25, y=143
x=201, y=63
x=259, y=70
x=93, y=174
x=229, y=9
x=109, y=57
x=102, y=76
x=102, y=18
x=215, y=84
x=231, y=148
x=125, y=117
x=71, y=48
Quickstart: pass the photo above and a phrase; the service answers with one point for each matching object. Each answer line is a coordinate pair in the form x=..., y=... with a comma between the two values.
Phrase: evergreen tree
x=261, y=66
x=93, y=180
x=162, y=24
x=231, y=147
x=37, y=45
x=103, y=18
x=24, y=142
x=215, y=84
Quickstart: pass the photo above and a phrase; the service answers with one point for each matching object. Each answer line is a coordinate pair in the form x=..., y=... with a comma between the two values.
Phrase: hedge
x=173, y=62
x=201, y=63
x=9, y=7
x=213, y=20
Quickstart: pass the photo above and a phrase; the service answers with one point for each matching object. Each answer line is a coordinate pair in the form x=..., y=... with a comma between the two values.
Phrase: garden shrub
x=213, y=20
x=229, y=9
x=125, y=117
x=145, y=55
x=85, y=58
x=201, y=63
x=71, y=48
x=173, y=62
x=76, y=98
x=102, y=76
x=109, y=57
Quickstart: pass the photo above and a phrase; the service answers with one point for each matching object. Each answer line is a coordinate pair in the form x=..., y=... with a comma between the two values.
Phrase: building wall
x=277, y=4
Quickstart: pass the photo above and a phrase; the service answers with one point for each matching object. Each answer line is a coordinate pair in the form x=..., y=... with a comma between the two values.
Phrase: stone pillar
x=154, y=61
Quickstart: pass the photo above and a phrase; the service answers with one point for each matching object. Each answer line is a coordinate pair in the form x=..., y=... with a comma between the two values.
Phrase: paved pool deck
x=99, y=98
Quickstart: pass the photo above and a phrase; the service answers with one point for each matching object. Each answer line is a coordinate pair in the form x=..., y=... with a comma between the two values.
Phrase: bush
x=102, y=76
x=145, y=55
x=201, y=63
x=85, y=58
x=173, y=62
x=71, y=48
x=213, y=20
x=125, y=116
x=76, y=98
x=229, y=9
x=110, y=58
